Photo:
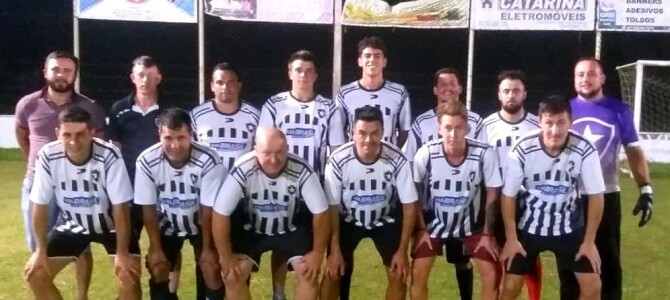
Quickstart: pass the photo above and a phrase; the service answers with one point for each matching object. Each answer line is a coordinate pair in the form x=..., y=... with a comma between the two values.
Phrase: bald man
x=270, y=186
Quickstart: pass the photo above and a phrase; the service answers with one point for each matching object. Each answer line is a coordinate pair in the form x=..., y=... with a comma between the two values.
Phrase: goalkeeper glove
x=645, y=204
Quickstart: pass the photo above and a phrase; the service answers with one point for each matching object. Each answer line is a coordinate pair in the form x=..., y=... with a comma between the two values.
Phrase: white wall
x=7, y=138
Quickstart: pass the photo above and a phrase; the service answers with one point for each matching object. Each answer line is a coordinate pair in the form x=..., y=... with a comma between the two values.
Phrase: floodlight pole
x=599, y=42
x=75, y=42
x=201, y=52
x=471, y=59
x=637, y=103
x=337, y=47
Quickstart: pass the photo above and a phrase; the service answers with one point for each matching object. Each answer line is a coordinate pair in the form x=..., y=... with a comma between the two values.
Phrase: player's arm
x=146, y=196
x=409, y=199
x=316, y=202
x=594, y=187
x=225, y=204
x=333, y=191
x=638, y=165
x=420, y=221
x=514, y=175
x=211, y=183
x=419, y=174
x=493, y=182
x=336, y=134
x=41, y=194
x=22, y=139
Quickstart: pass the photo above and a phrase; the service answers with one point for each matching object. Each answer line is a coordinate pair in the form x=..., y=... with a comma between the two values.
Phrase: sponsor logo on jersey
x=175, y=202
x=450, y=201
x=81, y=171
x=515, y=128
x=300, y=132
x=227, y=146
x=270, y=207
x=369, y=170
x=552, y=190
x=368, y=200
x=374, y=96
x=178, y=173
x=304, y=106
x=82, y=201
x=455, y=172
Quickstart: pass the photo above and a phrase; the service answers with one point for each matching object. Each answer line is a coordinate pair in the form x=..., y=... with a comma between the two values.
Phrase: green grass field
x=645, y=255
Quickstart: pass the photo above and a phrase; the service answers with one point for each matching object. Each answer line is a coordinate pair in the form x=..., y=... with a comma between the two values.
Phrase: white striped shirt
x=178, y=192
x=553, y=206
x=502, y=134
x=85, y=193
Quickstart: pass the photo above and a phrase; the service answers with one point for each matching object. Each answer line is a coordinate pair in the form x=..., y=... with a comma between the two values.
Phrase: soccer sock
x=161, y=290
x=217, y=294
x=534, y=282
x=278, y=293
x=345, y=283
x=464, y=278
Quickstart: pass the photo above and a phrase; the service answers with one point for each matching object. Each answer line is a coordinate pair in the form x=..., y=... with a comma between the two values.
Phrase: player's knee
x=39, y=279
x=312, y=281
x=128, y=281
x=590, y=286
x=236, y=281
x=211, y=274
x=419, y=276
x=512, y=285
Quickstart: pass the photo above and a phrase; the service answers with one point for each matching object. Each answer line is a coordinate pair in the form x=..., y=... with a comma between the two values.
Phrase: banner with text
x=177, y=11
x=634, y=15
x=418, y=13
x=284, y=11
x=569, y=15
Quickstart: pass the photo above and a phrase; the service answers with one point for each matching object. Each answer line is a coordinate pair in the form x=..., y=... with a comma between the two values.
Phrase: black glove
x=645, y=203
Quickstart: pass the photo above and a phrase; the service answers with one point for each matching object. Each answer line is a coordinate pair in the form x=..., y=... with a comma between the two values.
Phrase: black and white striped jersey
x=84, y=193
x=553, y=207
x=425, y=129
x=502, y=134
x=178, y=192
x=454, y=191
x=392, y=99
x=368, y=194
x=271, y=204
x=231, y=135
x=309, y=127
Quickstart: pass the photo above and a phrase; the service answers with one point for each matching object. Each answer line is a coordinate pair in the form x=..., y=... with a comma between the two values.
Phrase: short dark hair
x=145, y=60
x=75, y=114
x=174, y=119
x=452, y=71
x=63, y=54
x=226, y=66
x=593, y=59
x=373, y=42
x=554, y=104
x=368, y=113
x=512, y=75
x=304, y=55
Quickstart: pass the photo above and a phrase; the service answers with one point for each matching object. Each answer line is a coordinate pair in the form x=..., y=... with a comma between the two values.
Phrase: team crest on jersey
x=599, y=133
x=291, y=189
x=321, y=112
x=472, y=176
x=251, y=127
x=95, y=174
x=388, y=175
x=194, y=178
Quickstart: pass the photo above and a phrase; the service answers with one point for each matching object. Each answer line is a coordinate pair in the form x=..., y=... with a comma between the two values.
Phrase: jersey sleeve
x=118, y=183
x=194, y=126
x=211, y=183
x=312, y=193
x=336, y=135
x=230, y=193
x=406, y=188
x=333, y=183
x=629, y=137
x=405, y=118
x=591, y=175
x=344, y=112
x=413, y=141
x=145, y=183
x=514, y=173
x=43, y=186
x=491, y=170
x=268, y=115
x=480, y=132
x=420, y=165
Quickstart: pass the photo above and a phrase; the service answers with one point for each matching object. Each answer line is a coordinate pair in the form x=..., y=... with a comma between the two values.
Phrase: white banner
x=283, y=11
x=408, y=13
x=176, y=11
x=569, y=15
x=634, y=15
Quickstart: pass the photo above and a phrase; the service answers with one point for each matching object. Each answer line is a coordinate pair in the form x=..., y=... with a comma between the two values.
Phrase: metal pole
x=337, y=47
x=471, y=58
x=599, y=41
x=201, y=51
x=75, y=39
x=637, y=104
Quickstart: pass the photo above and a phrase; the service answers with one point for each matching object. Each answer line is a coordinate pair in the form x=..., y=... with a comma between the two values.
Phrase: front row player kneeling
x=551, y=163
x=176, y=183
x=92, y=190
x=369, y=180
x=455, y=170
x=273, y=188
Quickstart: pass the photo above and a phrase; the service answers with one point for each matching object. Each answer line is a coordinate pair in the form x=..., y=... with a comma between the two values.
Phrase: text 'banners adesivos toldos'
x=634, y=15
x=178, y=11
x=576, y=15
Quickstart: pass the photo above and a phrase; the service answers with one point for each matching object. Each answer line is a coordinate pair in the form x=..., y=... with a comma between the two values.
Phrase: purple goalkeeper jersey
x=608, y=124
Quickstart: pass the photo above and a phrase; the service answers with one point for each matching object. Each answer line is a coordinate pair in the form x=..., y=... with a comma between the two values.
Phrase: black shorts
x=172, y=246
x=564, y=247
x=71, y=245
x=455, y=252
x=386, y=239
x=293, y=244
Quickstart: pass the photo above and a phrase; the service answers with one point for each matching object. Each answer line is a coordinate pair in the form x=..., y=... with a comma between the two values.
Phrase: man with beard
x=503, y=128
x=608, y=124
x=447, y=87
x=36, y=117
